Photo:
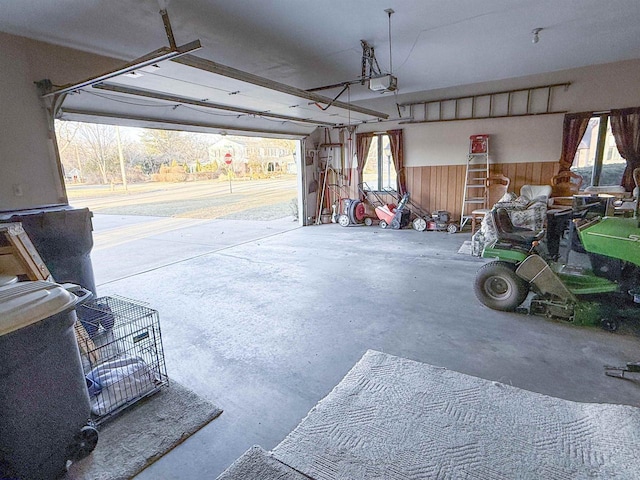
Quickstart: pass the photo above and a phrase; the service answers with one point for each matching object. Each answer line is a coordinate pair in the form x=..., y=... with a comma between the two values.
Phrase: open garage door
x=192, y=93
x=165, y=173
x=172, y=89
x=160, y=196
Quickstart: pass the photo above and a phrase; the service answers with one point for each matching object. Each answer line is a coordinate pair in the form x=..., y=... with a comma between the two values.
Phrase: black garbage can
x=43, y=393
x=64, y=239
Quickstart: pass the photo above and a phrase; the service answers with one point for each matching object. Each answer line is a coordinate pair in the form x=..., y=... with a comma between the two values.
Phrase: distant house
x=270, y=156
x=73, y=176
x=290, y=163
x=238, y=152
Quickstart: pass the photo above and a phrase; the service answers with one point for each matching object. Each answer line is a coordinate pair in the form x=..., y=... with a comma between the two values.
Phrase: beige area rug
x=393, y=418
x=144, y=433
x=258, y=464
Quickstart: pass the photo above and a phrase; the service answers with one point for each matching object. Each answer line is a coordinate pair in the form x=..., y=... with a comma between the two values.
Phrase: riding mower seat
x=507, y=231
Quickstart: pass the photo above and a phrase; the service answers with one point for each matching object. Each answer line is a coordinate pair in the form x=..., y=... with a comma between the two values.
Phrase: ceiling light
x=133, y=74
x=536, y=37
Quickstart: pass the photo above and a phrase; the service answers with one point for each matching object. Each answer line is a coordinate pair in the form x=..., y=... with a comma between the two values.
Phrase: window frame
x=379, y=188
x=600, y=150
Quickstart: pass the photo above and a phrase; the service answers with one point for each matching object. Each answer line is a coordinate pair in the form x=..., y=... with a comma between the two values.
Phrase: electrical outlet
x=18, y=189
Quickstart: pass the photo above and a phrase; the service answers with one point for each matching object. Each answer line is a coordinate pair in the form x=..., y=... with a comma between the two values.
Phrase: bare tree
x=162, y=146
x=99, y=146
x=66, y=133
x=196, y=147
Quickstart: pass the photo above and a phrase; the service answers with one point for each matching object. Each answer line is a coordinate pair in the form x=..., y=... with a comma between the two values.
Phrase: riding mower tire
x=498, y=287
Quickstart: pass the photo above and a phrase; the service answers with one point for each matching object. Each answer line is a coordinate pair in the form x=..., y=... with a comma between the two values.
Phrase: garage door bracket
x=159, y=55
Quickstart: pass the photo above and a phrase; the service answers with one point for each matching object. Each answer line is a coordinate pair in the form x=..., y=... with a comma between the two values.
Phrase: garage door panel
x=215, y=89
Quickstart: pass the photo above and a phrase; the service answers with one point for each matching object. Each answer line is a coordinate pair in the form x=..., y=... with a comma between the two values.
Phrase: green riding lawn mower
x=602, y=291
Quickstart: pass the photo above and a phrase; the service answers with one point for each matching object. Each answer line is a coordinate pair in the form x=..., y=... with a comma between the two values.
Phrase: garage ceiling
x=435, y=44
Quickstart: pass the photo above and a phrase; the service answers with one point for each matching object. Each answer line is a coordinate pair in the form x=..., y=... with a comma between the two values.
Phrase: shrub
x=611, y=174
x=175, y=173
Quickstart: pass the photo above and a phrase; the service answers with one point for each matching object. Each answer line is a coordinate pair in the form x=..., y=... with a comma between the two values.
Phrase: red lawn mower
x=352, y=212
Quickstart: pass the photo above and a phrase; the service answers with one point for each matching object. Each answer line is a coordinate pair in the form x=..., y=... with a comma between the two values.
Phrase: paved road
x=252, y=200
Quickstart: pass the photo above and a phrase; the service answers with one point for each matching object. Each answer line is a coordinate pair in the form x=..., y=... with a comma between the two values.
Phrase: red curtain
x=397, y=153
x=625, y=126
x=363, y=142
x=574, y=127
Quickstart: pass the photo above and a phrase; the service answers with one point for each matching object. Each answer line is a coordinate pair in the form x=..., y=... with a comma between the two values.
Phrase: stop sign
x=227, y=159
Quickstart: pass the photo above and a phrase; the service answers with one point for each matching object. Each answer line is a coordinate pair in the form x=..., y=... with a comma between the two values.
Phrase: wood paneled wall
x=441, y=187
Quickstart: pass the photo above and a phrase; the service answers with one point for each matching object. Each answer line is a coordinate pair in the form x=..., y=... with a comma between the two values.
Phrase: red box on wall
x=478, y=143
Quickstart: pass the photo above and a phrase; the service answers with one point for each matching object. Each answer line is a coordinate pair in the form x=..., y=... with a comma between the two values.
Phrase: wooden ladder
x=18, y=256
x=474, y=195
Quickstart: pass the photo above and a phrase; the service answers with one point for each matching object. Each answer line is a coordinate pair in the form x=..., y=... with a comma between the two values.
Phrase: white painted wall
x=29, y=175
x=526, y=139
x=28, y=172
x=515, y=139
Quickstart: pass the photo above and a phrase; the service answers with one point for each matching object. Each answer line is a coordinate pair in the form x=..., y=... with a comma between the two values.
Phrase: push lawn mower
x=604, y=293
x=440, y=221
x=352, y=212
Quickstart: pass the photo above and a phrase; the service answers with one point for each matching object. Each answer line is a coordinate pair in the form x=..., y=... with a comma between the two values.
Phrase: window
x=379, y=171
x=597, y=159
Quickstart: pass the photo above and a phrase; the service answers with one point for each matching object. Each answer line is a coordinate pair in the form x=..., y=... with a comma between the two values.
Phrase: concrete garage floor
x=264, y=319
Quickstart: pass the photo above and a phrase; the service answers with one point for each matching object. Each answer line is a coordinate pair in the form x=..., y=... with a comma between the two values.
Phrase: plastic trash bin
x=63, y=236
x=43, y=393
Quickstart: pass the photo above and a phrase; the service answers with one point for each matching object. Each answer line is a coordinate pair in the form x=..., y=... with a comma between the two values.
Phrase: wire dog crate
x=122, y=355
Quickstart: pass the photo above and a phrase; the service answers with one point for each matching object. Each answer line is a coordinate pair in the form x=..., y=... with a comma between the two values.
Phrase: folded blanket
x=117, y=382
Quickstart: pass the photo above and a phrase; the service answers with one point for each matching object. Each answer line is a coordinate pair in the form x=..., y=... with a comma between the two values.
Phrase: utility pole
x=81, y=179
x=121, y=156
x=228, y=159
